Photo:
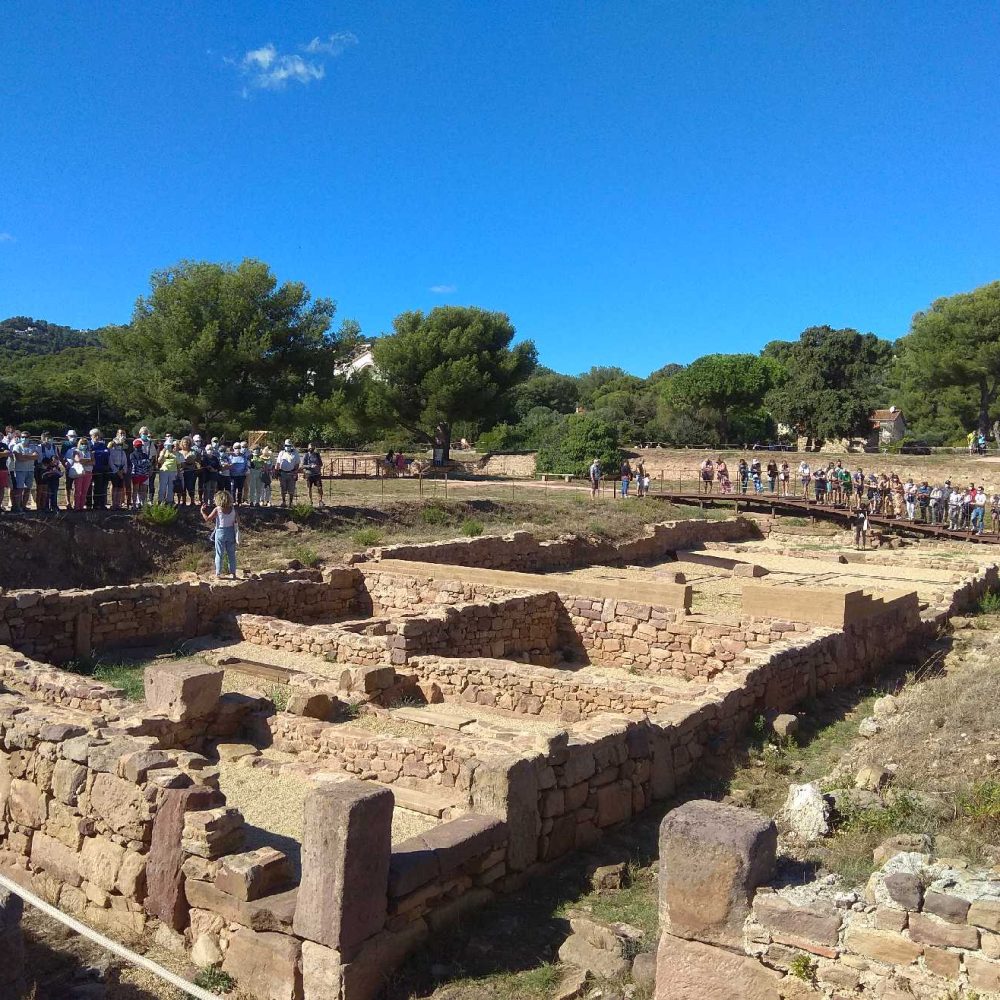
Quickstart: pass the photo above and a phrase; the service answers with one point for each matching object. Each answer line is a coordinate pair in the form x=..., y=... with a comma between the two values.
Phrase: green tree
x=831, y=381
x=956, y=344
x=547, y=388
x=723, y=383
x=454, y=363
x=576, y=442
x=223, y=345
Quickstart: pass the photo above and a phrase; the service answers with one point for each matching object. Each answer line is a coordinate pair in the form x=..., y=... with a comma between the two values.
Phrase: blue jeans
x=225, y=548
x=625, y=487
x=977, y=520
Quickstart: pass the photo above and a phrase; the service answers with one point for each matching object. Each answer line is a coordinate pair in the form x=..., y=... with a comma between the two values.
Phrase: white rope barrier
x=113, y=946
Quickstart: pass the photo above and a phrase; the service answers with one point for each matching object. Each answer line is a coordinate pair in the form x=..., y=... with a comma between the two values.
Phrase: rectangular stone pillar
x=346, y=846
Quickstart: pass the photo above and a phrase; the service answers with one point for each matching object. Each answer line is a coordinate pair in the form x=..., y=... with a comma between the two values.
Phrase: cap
x=137, y=443
x=288, y=443
x=71, y=434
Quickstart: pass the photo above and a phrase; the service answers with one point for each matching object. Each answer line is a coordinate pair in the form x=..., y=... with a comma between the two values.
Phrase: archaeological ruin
x=339, y=763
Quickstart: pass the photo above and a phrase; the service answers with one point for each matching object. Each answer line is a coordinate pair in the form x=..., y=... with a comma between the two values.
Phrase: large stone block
x=254, y=874
x=817, y=920
x=691, y=970
x=346, y=845
x=182, y=690
x=508, y=789
x=712, y=858
x=266, y=965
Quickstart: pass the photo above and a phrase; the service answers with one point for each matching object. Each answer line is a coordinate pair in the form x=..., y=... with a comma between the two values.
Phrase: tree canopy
x=223, y=345
x=956, y=345
x=454, y=363
x=726, y=384
x=829, y=381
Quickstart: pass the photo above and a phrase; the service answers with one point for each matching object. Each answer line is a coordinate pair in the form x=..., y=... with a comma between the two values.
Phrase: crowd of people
x=87, y=472
x=950, y=505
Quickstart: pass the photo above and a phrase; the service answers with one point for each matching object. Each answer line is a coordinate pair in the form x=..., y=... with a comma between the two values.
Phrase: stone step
x=426, y=803
x=439, y=718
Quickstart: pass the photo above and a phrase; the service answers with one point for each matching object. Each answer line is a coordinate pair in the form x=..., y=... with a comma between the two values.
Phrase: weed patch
x=367, y=537
x=472, y=528
x=158, y=515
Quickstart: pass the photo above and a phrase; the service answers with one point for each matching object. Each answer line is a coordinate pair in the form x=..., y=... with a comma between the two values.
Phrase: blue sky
x=634, y=183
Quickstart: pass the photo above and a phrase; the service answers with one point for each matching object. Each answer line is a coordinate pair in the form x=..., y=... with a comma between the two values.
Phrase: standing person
x=772, y=474
x=224, y=473
x=722, y=473
x=755, y=473
x=5, y=457
x=937, y=505
x=118, y=469
x=594, y=475
x=743, y=474
x=226, y=532
x=995, y=512
x=833, y=483
x=253, y=476
x=707, y=473
x=46, y=450
x=312, y=463
x=239, y=466
x=640, y=477
x=48, y=489
x=979, y=511
x=924, y=502
x=626, y=477
x=139, y=469
x=954, y=508
x=102, y=470
x=69, y=443
x=266, y=476
x=400, y=464
x=80, y=469
x=210, y=472
x=805, y=476
x=187, y=459
x=25, y=456
x=846, y=486
x=819, y=485
x=858, y=480
x=860, y=521
x=168, y=466
x=287, y=464
x=910, y=498
x=786, y=474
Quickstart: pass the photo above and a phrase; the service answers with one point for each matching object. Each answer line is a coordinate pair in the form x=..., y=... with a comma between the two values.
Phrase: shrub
x=279, y=696
x=433, y=514
x=367, y=537
x=159, y=515
x=576, y=442
x=472, y=527
x=989, y=603
x=803, y=967
x=301, y=512
x=215, y=981
x=305, y=555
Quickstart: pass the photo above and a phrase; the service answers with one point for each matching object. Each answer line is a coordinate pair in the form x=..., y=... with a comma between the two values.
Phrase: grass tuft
x=215, y=981
x=159, y=515
x=472, y=527
x=367, y=537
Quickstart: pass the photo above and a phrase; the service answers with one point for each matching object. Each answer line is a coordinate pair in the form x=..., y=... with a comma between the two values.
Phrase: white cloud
x=443, y=289
x=334, y=45
x=6, y=238
x=266, y=68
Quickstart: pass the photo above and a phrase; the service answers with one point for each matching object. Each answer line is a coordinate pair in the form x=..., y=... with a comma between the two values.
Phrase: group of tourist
x=626, y=476
x=887, y=494
x=126, y=472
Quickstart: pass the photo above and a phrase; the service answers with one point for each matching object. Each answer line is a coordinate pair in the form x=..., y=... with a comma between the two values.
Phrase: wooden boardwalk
x=802, y=506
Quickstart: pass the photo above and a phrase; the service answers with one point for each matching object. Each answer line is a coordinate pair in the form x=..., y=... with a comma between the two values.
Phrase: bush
x=279, y=695
x=472, y=527
x=215, y=981
x=989, y=603
x=305, y=555
x=367, y=537
x=159, y=515
x=432, y=514
x=576, y=442
x=301, y=512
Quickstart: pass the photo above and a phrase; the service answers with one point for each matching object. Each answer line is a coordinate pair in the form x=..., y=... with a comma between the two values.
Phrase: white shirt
x=288, y=460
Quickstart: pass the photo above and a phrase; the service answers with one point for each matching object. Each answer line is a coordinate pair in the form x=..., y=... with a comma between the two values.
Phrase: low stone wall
x=513, y=625
x=59, y=625
x=922, y=928
x=522, y=552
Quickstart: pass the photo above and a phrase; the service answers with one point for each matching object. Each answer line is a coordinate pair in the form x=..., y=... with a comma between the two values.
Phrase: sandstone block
x=27, y=803
x=121, y=805
x=930, y=930
x=692, y=970
x=946, y=906
x=68, y=778
x=182, y=691
x=942, y=963
x=508, y=789
x=346, y=845
x=983, y=975
x=817, y=921
x=985, y=913
x=577, y=950
x=882, y=946
x=785, y=725
x=712, y=858
x=905, y=889
x=806, y=812
x=266, y=965
x=254, y=874
x=55, y=858
x=205, y=951
x=100, y=862
x=269, y=913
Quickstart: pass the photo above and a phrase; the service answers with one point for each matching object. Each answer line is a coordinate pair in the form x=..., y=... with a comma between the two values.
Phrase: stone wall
x=922, y=927
x=522, y=552
x=510, y=625
x=60, y=625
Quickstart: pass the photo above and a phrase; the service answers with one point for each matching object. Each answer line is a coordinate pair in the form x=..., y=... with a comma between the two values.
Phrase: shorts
x=314, y=479
x=23, y=480
x=139, y=480
x=4, y=479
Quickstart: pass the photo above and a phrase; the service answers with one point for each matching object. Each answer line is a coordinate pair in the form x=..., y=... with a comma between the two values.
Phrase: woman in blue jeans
x=226, y=532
